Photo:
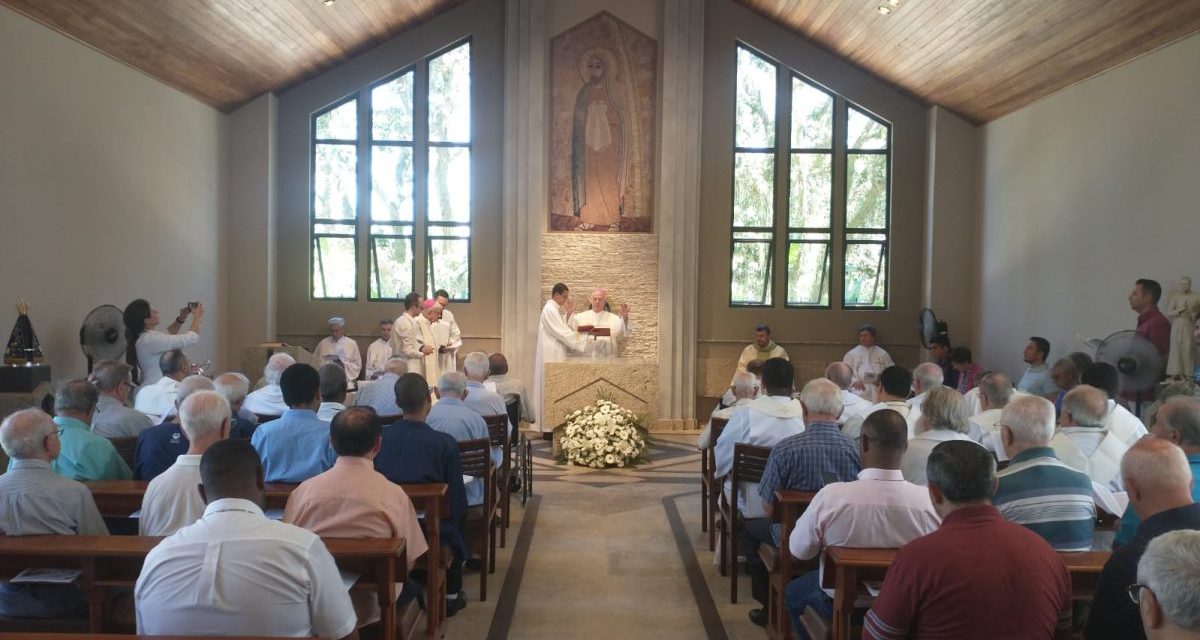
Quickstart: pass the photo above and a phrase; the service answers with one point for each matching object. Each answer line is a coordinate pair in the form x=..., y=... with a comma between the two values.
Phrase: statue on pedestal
x=23, y=346
x=1182, y=308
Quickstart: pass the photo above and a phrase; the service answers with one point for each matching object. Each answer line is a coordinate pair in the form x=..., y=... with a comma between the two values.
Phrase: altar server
x=405, y=340
x=380, y=351
x=603, y=347
x=556, y=339
x=338, y=345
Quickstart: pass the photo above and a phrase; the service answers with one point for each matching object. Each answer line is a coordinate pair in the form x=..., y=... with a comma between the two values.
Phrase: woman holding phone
x=145, y=344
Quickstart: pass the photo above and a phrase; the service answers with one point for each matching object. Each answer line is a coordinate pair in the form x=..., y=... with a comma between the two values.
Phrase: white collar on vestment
x=777, y=406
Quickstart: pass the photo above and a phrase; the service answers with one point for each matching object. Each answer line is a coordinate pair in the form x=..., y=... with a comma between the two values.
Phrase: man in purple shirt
x=1151, y=324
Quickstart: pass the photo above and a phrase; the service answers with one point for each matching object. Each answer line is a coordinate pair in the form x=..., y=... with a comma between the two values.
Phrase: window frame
x=886, y=230
x=313, y=220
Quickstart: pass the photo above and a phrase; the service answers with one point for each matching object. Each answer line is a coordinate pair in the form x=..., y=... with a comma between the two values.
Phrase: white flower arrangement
x=602, y=434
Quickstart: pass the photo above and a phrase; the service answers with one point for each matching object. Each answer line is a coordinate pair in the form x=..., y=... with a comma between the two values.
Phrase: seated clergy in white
x=1083, y=443
x=34, y=500
x=879, y=510
x=479, y=398
x=268, y=401
x=114, y=419
x=744, y=390
x=380, y=351
x=763, y=422
x=380, y=394
x=754, y=367
x=449, y=326
x=854, y=407
x=451, y=416
x=235, y=572
x=337, y=345
x=995, y=392
x=867, y=361
x=927, y=375
x=891, y=388
x=1117, y=419
x=599, y=317
x=333, y=391
x=172, y=499
x=510, y=387
x=943, y=417
x=157, y=399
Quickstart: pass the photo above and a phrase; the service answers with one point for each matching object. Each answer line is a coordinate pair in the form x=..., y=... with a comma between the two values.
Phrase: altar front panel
x=576, y=383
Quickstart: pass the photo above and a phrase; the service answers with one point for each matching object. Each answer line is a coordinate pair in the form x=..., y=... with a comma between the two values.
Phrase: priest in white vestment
x=603, y=347
x=436, y=359
x=405, y=340
x=1083, y=443
x=450, y=326
x=556, y=341
x=995, y=391
x=763, y=348
x=867, y=361
x=380, y=351
x=343, y=348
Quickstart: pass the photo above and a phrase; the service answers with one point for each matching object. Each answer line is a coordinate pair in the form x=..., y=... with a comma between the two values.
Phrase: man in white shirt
x=333, y=391
x=337, y=345
x=113, y=419
x=926, y=376
x=448, y=325
x=854, y=408
x=157, y=400
x=879, y=510
x=892, y=387
x=406, y=337
x=268, y=401
x=556, y=340
x=995, y=390
x=763, y=348
x=379, y=351
x=211, y=577
x=380, y=394
x=1118, y=420
x=617, y=324
x=867, y=361
x=744, y=390
x=763, y=422
x=172, y=500
x=943, y=417
x=1036, y=379
x=1083, y=443
x=510, y=388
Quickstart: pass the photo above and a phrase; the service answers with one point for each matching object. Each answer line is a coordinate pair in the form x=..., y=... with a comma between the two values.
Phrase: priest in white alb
x=405, y=340
x=338, y=345
x=556, y=341
x=435, y=359
x=448, y=325
x=867, y=361
x=603, y=347
x=380, y=351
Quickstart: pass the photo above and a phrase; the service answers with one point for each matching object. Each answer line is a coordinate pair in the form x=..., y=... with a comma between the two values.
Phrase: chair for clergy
x=709, y=487
x=498, y=434
x=481, y=521
x=749, y=462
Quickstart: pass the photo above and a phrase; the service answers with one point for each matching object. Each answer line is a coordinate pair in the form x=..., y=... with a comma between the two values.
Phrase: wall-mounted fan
x=102, y=335
x=1137, y=360
x=928, y=327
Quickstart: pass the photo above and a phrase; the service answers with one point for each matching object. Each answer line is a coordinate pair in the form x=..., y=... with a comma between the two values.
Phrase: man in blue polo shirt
x=295, y=446
x=451, y=416
x=1177, y=420
x=84, y=456
x=1038, y=490
x=161, y=445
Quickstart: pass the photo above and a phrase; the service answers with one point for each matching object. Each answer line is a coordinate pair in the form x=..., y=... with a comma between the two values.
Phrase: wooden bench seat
x=781, y=566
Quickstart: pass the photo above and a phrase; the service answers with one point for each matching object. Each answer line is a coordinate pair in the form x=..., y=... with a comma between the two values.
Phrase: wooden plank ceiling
x=227, y=52
x=986, y=58
x=980, y=58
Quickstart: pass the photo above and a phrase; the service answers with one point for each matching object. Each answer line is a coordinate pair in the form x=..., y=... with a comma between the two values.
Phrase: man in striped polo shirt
x=1038, y=490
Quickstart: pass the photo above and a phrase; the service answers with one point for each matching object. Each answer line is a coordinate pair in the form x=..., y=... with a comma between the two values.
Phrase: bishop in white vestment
x=345, y=349
x=556, y=341
x=603, y=347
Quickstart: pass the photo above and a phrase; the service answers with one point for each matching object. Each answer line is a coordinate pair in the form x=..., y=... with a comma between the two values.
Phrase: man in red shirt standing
x=1151, y=323
x=978, y=576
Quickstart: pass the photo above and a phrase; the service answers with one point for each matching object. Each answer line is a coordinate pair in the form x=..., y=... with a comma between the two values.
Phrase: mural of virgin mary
x=598, y=143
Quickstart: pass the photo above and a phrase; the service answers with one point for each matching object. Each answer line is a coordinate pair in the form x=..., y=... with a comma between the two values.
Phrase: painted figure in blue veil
x=598, y=149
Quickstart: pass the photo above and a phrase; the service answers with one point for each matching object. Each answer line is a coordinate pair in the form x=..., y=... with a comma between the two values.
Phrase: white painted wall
x=1084, y=192
x=111, y=188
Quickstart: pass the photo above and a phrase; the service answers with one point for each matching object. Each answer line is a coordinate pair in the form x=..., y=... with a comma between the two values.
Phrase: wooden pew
x=709, y=487
x=116, y=561
x=847, y=568
x=781, y=566
x=119, y=498
x=118, y=636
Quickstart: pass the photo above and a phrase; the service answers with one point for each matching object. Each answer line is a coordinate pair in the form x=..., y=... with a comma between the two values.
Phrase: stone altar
x=576, y=383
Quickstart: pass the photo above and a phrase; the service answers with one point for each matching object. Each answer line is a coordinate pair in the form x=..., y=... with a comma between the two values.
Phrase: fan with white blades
x=102, y=335
x=929, y=327
x=1137, y=360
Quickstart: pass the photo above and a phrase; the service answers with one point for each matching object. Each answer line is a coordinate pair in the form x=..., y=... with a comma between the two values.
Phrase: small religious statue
x=1183, y=308
x=23, y=346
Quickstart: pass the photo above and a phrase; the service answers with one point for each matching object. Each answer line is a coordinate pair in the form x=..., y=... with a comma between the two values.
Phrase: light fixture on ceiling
x=328, y=3
x=884, y=9
x=894, y=3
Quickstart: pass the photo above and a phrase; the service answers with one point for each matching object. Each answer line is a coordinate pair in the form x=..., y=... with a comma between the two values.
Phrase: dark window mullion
x=783, y=176
x=363, y=213
x=420, y=173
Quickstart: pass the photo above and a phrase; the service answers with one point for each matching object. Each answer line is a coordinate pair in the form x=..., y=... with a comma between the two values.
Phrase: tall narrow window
x=407, y=141
x=787, y=181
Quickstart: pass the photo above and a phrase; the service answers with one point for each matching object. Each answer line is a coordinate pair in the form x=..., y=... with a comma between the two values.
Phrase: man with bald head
x=172, y=501
x=1083, y=443
x=453, y=417
x=854, y=407
x=598, y=316
x=34, y=500
x=268, y=401
x=157, y=399
x=380, y=394
x=1159, y=482
x=85, y=456
x=1177, y=421
x=160, y=446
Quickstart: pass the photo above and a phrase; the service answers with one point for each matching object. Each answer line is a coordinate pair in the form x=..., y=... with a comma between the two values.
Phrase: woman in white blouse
x=145, y=345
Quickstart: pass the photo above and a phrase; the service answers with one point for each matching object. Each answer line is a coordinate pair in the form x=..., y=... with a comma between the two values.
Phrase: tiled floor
x=609, y=554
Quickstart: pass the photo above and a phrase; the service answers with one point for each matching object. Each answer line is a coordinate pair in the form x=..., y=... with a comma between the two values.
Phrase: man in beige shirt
x=353, y=500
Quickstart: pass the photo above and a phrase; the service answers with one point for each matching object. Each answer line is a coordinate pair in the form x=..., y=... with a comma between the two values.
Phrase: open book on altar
x=599, y=332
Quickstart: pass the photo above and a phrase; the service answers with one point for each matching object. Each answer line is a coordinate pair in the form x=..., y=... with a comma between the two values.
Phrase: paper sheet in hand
x=47, y=576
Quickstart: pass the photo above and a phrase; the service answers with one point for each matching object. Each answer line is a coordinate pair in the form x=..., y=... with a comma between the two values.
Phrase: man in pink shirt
x=879, y=510
x=353, y=500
